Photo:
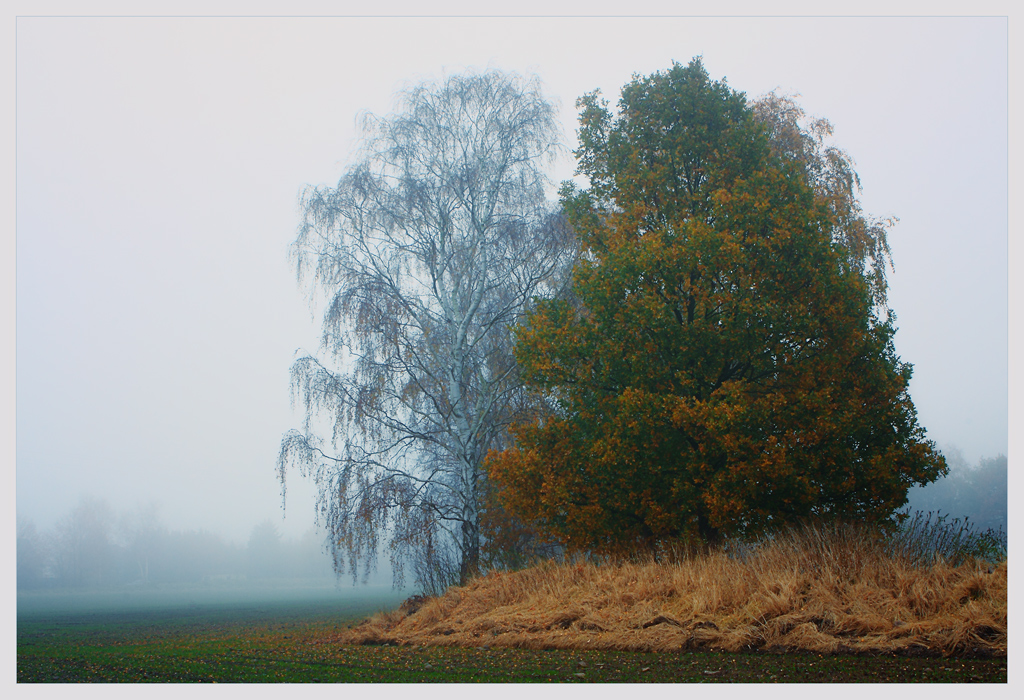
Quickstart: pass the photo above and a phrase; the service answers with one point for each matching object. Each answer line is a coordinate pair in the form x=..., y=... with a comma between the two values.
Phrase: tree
x=976, y=492
x=83, y=546
x=265, y=551
x=723, y=367
x=195, y=555
x=32, y=554
x=829, y=171
x=427, y=253
x=143, y=535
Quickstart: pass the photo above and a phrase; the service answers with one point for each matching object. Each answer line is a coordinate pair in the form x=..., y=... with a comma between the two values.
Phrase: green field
x=285, y=635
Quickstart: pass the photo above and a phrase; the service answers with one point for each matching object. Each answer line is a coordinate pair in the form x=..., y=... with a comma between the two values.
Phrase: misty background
x=159, y=162
x=94, y=546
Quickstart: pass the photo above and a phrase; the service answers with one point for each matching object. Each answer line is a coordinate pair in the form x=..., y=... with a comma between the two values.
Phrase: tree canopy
x=726, y=362
x=427, y=252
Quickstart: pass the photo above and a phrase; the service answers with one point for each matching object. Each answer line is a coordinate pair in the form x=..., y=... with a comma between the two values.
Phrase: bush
x=922, y=538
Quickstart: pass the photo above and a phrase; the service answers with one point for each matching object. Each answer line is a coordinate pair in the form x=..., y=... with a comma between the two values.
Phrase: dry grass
x=835, y=592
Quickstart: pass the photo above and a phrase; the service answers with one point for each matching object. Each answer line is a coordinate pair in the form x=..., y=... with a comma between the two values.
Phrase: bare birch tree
x=830, y=171
x=427, y=253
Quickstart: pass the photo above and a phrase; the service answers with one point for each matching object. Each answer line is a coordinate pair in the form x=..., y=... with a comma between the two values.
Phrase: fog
x=976, y=494
x=95, y=547
x=159, y=162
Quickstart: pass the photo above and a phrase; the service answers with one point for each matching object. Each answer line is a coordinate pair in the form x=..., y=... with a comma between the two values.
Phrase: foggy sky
x=159, y=162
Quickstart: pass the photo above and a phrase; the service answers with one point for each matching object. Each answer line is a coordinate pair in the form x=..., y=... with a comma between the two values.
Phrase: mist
x=973, y=493
x=159, y=162
x=95, y=547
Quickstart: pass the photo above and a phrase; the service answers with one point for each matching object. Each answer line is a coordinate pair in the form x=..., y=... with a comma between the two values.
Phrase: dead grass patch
x=842, y=595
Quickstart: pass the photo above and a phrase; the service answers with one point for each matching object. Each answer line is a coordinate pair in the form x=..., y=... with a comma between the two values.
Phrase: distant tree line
x=977, y=492
x=94, y=546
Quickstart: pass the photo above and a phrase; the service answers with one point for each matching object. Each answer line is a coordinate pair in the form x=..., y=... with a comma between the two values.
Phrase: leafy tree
x=509, y=543
x=427, y=252
x=32, y=554
x=723, y=367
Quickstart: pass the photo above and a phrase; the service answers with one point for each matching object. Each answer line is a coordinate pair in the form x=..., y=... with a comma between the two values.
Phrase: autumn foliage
x=725, y=364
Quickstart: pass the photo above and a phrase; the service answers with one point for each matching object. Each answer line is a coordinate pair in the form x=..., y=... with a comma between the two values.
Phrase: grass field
x=295, y=640
x=816, y=605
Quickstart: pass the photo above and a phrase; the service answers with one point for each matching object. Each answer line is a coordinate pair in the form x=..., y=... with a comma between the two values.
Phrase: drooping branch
x=427, y=253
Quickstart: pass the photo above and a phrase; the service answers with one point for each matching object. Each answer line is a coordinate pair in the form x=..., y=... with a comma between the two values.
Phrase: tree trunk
x=710, y=535
x=470, y=564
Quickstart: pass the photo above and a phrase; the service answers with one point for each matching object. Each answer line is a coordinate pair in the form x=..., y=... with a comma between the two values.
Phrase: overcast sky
x=159, y=162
